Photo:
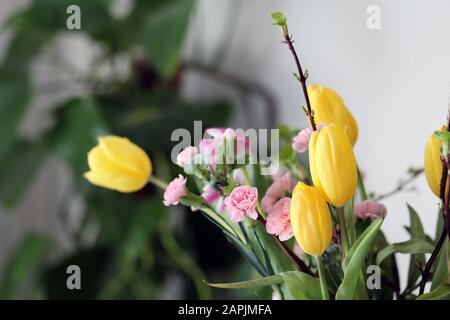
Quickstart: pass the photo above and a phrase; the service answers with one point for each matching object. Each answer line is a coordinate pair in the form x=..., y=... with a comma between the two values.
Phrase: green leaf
x=440, y=293
x=444, y=137
x=144, y=221
x=279, y=18
x=278, y=260
x=26, y=259
x=441, y=273
x=302, y=286
x=285, y=133
x=255, y=283
x=413, y=246
x=416, y=230
x=389, y=270
x=78, y=126
x=15, y=94
x=354, y=260
x=17, y=171
x=163, y=35
x=287, y=154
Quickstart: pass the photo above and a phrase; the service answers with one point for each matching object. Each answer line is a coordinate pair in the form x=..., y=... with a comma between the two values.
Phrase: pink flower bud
x=278, y=220
x=175, y=191
x=277, y=190
x=369, y=209
x=300, y=142
x=186, y=156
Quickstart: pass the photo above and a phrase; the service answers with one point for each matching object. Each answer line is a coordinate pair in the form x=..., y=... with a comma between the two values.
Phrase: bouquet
x=310, y=231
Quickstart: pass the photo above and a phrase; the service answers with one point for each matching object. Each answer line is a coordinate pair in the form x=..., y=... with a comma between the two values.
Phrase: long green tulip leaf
x=355, y=259
x=412, y=246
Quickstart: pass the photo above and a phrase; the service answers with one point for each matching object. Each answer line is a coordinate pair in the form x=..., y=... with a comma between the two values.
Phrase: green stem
x=250, y=183
x=158, y=182
x=185, y=263
x=343, y=230
x=323, y=278
x=361, y=187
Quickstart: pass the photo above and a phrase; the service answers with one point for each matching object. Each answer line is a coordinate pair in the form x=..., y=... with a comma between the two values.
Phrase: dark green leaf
x=440, y=293
x=17, y=171
x=441, y=272
x=354, y=260
x=14, y=97
x=78, y=126
x=255, y=283
x=144, y=222
x=163, y=35
x=416, y=230
x=27, y=258
x=302, y=286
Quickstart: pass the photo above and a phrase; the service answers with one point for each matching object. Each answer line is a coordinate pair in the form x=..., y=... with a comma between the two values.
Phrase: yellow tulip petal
x=329, y=107
x=109, y=180
x=433, y=163
x=126, y=154
x=333, y=164
x=310, y=219
x=118, y=164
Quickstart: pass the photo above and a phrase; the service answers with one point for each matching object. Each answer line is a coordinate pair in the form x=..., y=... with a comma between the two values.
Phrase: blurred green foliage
x=137, y=252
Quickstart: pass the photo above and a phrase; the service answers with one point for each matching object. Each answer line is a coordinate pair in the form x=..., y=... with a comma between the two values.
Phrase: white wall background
x=395, y=80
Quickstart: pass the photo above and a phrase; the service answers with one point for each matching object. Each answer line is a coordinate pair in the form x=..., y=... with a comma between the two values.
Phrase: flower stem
x=362, y=187
x=343, y=230
x=427, y=271
x=323, y=278
x=158, y=182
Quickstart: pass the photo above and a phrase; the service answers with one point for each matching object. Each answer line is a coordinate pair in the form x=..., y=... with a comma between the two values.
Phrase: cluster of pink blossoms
x=243, y=199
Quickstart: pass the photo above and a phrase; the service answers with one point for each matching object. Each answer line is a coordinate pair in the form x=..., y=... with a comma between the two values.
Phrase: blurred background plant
x=127, y=246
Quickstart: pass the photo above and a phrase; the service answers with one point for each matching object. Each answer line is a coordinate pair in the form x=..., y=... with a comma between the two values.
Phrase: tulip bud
x=332, y=164
x=118, y=164
x=433, y=162
x=328, y=107
x=310, y=219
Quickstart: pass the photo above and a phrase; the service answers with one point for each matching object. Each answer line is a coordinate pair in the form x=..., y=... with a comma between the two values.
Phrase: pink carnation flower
x=277, y=190
x=175, y=191
x=186, y=155
x=369, y=209
x=278, y=220
x=241, y=202
x=300, y=142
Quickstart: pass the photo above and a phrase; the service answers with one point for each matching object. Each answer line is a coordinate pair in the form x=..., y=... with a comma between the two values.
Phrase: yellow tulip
x=433, y=162
x=118, y=164
x=310, y=219
x=328, y=107
x=332, y=164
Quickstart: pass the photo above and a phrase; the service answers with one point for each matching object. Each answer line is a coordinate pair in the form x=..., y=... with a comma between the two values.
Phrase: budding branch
x=301, y=77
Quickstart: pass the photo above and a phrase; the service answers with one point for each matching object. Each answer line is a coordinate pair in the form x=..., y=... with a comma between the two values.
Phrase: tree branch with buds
x=280, y=20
